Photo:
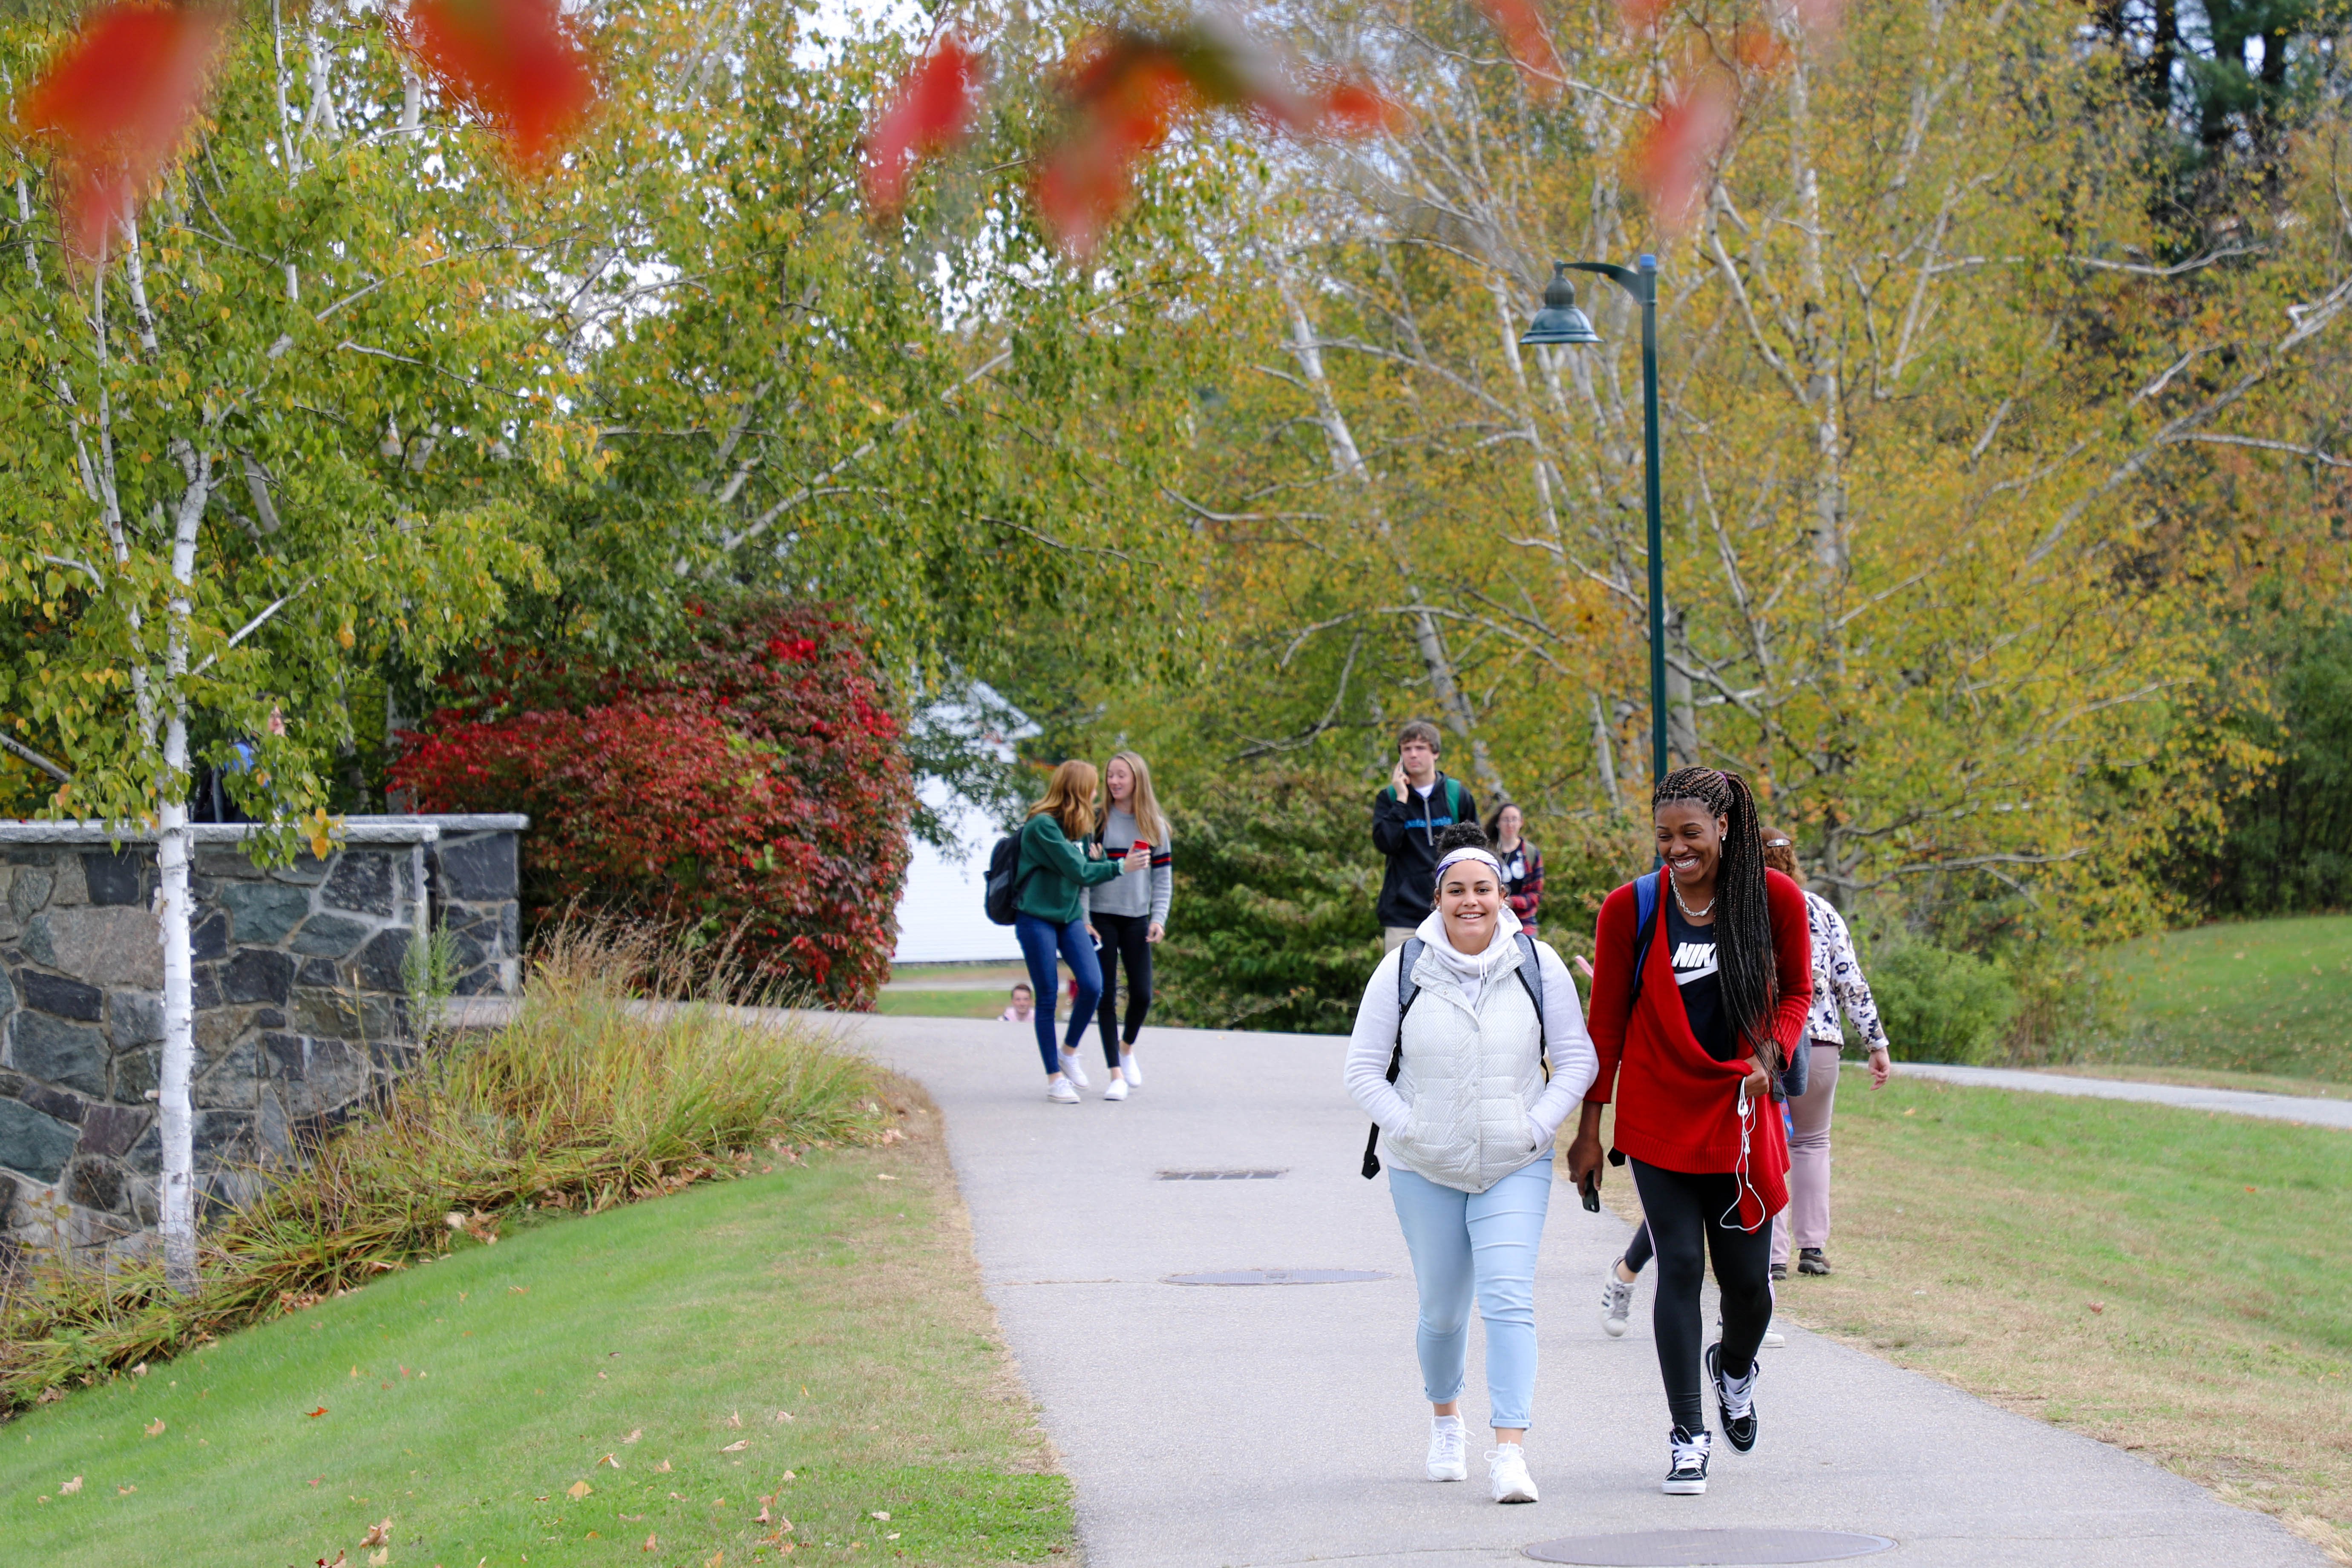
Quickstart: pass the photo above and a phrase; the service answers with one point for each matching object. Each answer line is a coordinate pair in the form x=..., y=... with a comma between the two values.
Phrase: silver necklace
x=1688, y=913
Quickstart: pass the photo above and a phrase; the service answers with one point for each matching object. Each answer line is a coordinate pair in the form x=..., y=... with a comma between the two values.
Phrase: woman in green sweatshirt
x=1050, y=882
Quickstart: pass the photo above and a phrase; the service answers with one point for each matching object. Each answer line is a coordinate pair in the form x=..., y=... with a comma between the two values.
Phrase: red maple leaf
x=930, y=111
x=515, y=62
x=1675, y=158
x=118, y=98
x=1530, y=46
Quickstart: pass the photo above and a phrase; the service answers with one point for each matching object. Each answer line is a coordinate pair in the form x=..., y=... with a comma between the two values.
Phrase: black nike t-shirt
x=1693, y=948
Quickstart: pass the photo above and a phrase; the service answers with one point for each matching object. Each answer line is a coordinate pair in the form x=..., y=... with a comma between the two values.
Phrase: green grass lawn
x=943, y=1003
x=474, y=1401
x=2273, y=997
x=2172, y=1281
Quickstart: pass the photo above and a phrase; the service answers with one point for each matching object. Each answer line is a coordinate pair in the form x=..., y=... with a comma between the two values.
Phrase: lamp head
x=1559, y=322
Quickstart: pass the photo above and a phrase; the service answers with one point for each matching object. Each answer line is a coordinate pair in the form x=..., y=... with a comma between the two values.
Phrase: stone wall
x=301, y=996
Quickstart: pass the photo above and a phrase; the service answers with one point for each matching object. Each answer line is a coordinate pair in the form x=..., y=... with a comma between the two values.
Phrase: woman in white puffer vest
x=1458, y=1083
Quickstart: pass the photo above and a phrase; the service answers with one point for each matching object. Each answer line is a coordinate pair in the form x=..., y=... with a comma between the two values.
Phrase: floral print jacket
x=1837, y=981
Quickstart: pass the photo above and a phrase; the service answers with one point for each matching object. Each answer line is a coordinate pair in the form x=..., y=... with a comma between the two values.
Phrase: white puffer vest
x=1470, y=1076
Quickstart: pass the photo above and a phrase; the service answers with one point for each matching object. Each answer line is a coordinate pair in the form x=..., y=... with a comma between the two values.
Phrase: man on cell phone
x=1419, y=804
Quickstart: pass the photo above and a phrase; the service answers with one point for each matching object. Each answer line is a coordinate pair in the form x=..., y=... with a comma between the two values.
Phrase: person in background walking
x=1837, y=983
x=1024, y=1002
x=1418, y=804
x=1455, y=1075
x=1689, y=1045
x=1053, y=874
x=1522, y=865
x=1130, y=914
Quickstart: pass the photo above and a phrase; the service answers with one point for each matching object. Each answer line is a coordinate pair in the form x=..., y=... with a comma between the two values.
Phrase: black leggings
x=1122, y=938
x=1685, y=1223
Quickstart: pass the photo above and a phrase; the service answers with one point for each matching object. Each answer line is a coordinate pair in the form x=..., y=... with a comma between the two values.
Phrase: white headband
x=1467, y=853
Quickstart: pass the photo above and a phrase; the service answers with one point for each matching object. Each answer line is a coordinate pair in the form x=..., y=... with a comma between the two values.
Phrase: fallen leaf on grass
x=651, y=1543
x=140, y=1370
x=737, y=1446
x=578, y=1489
x=885, y=1518
x=71, y=1487
x=50, y=1395
x=1912, y=1111
x=762, y=1517
x=518, y=1290
x=736, y=1419
x=677, y=1497
x=607, y=1459
x=714, y=1560
x=378, y=1558
x=155, y=1428
x=377, y=1534
x=783, y=1415
x=892, y=1536
x=2098, y=1306
x=338, y=1562
x=635, y=1434
x=319, y=1412
x=788, y=1474
x=883, y=1176
x=124, y=1492
x=662, y=1469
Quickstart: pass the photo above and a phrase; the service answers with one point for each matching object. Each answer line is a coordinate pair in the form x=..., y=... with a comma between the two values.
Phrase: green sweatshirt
x=1059, y=873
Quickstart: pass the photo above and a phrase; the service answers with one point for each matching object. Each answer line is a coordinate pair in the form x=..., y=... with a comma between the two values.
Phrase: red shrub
x=755, y=791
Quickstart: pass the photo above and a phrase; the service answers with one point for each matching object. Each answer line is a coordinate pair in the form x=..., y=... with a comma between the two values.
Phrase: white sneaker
x=1773, y=1338
x=1058, y=1090
x=1118, y=1089
x=1126, y=1065
x=1506, y=1473
x=1616, y=1302
x=1447, y=1462
x=1076, y=1070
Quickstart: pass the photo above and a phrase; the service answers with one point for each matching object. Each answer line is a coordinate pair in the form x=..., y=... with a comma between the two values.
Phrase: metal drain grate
x=1279, y=1277
x=1220, y=1175
x=1702, y=1548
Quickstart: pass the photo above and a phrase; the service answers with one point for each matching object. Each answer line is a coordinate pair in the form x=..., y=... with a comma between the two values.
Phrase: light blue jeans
x=1483, y=1243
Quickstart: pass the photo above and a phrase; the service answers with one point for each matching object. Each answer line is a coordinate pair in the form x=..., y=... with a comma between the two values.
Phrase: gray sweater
x=1129, y=895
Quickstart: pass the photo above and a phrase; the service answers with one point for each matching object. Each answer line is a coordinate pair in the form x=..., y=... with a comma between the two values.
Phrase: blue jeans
x=1038, y=940
x=1484, y=1242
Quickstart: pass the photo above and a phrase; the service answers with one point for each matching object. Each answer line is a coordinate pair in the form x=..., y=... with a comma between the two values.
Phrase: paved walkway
x=2316, y=1112
x=1232, y=1427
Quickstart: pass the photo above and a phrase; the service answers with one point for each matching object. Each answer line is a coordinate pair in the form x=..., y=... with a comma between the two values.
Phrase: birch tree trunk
x=174, y=849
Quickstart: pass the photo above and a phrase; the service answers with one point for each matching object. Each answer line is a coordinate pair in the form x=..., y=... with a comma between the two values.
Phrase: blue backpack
x=1794, y=1073
x=1409, y=989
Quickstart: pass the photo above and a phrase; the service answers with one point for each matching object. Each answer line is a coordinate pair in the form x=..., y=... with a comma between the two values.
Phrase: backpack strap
x=1531, y=979
x=1408, y=991
x=1645, y=909
x=1453, y=798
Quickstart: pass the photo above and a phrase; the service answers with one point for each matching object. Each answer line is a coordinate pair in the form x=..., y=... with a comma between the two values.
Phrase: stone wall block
x=271, y=1128
x=283, y=1054
x=64, y=998
x=307, y=871
x=54, y=1102
x=263, y=913
x=71, y=1055
x=68, y=890
x=230, y=1076
x=33, y=1144
x=102, y=945
x=209, y=938
x=137, y=1073
x=257, y=974
x=224, y=1136
x=226, y=861
x=204, y=986
x=329, y=936
x=146, y=1156
x=361, y=882
x=320, y=972
x=111, y=1130
x=134, y=1019
x=114, y=878
x=7, y=995
x=477, y=870
x=333, y=1075
x=383, y=962
x=28, y=889
x=95, y=1183
x=342, y=1015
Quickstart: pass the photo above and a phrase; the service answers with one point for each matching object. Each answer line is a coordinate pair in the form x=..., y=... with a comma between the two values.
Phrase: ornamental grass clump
x=609, y=1085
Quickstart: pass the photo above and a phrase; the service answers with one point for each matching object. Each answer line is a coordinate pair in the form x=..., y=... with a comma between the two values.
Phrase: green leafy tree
x=275, y=433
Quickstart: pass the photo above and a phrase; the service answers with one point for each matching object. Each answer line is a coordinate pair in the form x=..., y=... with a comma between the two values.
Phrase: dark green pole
x=1648, y=294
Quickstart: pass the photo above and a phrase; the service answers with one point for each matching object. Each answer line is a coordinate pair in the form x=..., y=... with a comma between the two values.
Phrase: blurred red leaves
x=1124, y=90
x=515, y=62
x=931, y=112
x=1674, y=163
x=118, y=98
x=1523, y=33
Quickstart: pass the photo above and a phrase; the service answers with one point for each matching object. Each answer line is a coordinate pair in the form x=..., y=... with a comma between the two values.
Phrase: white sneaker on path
x=1076, y=1070
x=1773, y=1338
x=1446, y=1459
x=1616, y=1302
x=1506, y=1473
x=1126, y=1065
x=1058, y=1090
x=1118, y=1089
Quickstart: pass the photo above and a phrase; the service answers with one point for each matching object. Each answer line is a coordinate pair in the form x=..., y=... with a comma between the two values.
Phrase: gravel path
x=2312, y=1110
x=1213, y=1427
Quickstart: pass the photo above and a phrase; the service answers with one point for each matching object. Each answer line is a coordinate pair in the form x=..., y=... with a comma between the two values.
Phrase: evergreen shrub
x=1939, y=1006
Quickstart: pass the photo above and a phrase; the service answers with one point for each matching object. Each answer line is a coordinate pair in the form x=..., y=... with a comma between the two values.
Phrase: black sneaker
x=1686, y=1471
x=1737, y=1406
x=1781, y=1272
x=1810, y=1261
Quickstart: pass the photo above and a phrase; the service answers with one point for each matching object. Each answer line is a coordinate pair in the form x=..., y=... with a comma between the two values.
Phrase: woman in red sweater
x=1691, y=1047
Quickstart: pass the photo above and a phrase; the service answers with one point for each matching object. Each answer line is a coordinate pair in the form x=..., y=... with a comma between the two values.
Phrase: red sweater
x=1676, y=1105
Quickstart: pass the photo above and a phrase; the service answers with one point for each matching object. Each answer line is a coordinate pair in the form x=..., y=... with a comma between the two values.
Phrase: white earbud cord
x=1730, y=1218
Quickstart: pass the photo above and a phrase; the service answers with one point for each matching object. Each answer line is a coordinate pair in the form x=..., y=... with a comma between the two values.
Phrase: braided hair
x=1743, y=920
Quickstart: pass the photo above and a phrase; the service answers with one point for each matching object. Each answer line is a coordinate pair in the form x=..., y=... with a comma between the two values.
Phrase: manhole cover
x=1279, y=1277
x=1695, y=1548
x=1220, y=1175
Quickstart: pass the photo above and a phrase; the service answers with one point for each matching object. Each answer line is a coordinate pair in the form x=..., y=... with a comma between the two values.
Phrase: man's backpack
x=1005, y=880
x=1409, y=990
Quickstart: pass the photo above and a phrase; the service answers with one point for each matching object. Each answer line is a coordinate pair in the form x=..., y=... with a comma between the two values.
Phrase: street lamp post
x=1560, y=323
